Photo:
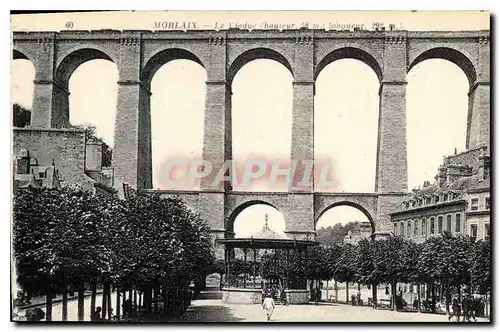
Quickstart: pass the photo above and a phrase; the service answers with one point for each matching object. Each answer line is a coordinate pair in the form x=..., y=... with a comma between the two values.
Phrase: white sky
x=346, y=111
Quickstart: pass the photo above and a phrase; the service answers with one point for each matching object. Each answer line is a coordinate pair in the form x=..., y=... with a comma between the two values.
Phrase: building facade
x=362, y=230
x=457, y=202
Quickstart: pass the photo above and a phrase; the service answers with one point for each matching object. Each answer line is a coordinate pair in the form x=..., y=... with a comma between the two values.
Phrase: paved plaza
x=217, y=311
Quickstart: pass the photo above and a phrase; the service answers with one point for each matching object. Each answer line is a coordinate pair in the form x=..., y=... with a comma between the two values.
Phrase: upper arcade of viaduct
x=139, y=54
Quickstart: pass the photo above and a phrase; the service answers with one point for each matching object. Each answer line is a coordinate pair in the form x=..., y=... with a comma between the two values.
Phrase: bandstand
x=268, y=241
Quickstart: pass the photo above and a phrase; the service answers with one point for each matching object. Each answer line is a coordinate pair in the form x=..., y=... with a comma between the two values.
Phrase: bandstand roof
x=252, y=243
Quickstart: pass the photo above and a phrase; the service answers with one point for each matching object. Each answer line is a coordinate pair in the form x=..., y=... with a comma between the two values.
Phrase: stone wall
x=297, y=296
x=64, y=147
x=242, y=296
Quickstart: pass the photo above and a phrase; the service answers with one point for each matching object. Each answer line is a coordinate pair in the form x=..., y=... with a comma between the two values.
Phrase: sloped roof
x=267, y=233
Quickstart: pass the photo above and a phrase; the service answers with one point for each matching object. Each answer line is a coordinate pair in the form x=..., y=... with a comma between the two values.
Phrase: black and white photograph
x=250, y=166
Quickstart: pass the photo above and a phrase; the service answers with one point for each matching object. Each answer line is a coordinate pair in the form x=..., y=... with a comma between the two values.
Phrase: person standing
x=96, y=315
x=268, y=305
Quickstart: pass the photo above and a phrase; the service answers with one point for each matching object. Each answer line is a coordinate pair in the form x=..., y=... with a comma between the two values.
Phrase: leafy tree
x=334, y=235
x=21, y=117
x=481, y=268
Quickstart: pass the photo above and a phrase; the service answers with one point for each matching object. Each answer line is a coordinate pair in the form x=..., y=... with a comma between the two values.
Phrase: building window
x=424, y=227
x=415, y=228
x=395, y=228
x=433, y=226
x=457, y=223
x=427, y=200
x=473, y=231
x=402, y=229
x=41, y=175
x=448, y=223
x=474, y=204
x=440, y=224
x=487, y=203
x=486, y=230
x=408, y=231
x=437, y=199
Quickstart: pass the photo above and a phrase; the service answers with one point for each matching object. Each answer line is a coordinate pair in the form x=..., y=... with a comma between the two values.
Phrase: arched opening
x=177, y=113
x=262, y=97
x=257, y=220
x=86, y=91
x=437, y=108
x=93, y=101
x=249, y=218
x=342, y=224
x=335, y=222
x=21, y=88
x=346, y=109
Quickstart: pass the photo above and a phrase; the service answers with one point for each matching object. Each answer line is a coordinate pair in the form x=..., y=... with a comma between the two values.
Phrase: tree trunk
x=155, y=301
x=393, y=289
x=374, y=296
x=165, y=299
x=48, y=305
x=81, y=298
x=433, y=295
x=118, y=303
x=447, y=299
x=65, y=300
x=149, y=300
x=336, y=292
x=104, y=305
x=486, y=311
x=419, y=298
x=93, y=295
x=110, y=307
x=347, y=292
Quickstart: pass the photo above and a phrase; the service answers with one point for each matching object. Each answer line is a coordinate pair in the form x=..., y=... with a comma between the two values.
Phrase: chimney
x=426, y=184
x=93, y=155
x=23, y=162
x=457, y=171
x=484, y=167
x=441, y=177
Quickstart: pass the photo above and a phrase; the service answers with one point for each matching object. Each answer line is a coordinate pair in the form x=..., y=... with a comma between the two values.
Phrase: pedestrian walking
x=268, y=305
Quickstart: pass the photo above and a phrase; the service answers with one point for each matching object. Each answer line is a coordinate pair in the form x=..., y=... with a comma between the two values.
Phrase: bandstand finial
x=266, y=217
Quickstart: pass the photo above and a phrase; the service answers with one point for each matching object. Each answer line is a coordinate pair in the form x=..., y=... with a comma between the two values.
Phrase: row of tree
x=68, y=240
x=445, y=261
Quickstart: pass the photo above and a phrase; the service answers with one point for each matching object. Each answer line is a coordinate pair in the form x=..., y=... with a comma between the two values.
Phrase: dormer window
x=436, y=199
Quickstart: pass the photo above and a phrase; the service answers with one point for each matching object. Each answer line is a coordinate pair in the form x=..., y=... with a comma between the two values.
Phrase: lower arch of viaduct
x=138, y=54
x=301, y=211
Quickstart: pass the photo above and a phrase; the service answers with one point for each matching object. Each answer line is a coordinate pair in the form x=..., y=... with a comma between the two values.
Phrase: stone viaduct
x=139, y=54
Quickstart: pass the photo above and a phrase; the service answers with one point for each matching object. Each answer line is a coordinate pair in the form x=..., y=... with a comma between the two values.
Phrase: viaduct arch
x=138, y=54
